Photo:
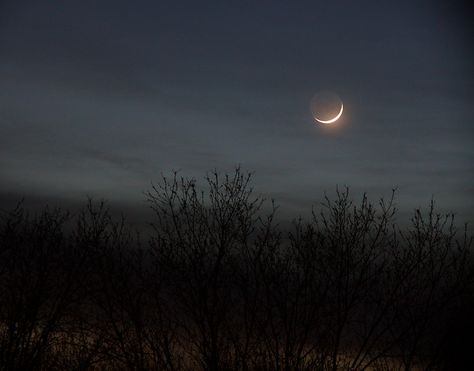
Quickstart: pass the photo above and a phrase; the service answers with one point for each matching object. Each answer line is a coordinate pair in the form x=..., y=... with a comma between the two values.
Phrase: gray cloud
x=103, y=97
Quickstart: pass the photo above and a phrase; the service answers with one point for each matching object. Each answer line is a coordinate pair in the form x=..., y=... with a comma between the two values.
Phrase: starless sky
x=101, y=97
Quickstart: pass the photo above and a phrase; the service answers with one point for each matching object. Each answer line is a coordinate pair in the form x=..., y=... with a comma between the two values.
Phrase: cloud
x=129, y=163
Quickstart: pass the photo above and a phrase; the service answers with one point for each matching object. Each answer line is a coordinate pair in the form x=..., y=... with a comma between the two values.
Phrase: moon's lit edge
x=333, y=119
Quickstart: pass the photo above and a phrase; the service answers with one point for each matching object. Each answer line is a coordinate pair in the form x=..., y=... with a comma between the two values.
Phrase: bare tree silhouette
x=41, y=288
x=220, y=285
x=199, y=236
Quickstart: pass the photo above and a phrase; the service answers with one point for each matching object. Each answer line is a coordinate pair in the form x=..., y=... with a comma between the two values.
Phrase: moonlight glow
x=326, y=107
x=333, y=119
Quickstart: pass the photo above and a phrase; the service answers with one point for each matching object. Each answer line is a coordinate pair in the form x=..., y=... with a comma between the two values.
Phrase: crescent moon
x=333, y=119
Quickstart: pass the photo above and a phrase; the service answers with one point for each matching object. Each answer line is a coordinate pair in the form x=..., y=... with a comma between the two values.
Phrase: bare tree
x=221, y=286
x=40, y=289
x=434, y=264
x=198, y=237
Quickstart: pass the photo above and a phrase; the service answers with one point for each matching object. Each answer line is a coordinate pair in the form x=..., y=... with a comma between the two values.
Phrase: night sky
x=99, y=98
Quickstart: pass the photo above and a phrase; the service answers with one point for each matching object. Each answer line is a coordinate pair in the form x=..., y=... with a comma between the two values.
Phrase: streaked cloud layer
x=101, y=97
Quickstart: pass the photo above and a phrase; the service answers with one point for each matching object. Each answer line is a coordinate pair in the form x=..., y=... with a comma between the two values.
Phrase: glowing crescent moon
x=333, y=119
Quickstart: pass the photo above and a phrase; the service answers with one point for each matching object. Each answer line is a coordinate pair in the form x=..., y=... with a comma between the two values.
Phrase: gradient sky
x=101, y=97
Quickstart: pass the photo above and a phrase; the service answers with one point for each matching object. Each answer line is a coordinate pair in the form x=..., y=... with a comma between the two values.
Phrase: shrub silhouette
x=219, y=285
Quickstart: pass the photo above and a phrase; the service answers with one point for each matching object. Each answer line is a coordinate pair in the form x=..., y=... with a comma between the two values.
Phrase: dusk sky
x=101, y=97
